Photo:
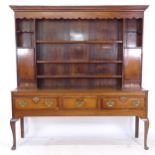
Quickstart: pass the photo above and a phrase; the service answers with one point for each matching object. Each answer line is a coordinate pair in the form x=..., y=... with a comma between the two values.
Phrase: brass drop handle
x=123, y=98
x=110, y=103
x=79, y=103
x=35, y=99
x=23, y=103
x=136, y=103
x=49, y=103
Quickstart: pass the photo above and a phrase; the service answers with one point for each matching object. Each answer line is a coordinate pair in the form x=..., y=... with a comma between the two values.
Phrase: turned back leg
x=136, y=126
x=22, y=127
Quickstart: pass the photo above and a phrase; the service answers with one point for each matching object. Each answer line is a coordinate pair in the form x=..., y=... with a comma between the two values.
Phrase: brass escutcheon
x=26, y=84
x=123, y=98
x=79, y=102
x=36, y=99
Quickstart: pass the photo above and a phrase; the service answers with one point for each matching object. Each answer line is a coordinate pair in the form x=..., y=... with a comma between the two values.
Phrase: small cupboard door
x=132, y=68
x=26, y=68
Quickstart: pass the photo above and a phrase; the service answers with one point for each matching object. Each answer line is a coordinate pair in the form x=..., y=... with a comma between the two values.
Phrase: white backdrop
x=106, y=127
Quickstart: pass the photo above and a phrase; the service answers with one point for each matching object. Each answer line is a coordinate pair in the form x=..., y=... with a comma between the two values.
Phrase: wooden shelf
x=79, y=62
x=77, y=76
x=21, y=47
x=139, y=32
x=79, y=42
x=137, y=47
x=24, y=31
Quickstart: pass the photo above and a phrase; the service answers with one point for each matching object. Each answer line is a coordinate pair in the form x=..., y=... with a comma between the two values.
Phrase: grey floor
x=79, y=146
x=77, y=136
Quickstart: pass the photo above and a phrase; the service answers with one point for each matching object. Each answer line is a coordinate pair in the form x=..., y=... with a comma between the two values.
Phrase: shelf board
x=79, y=42
x=132, y=31
x=137, y=47
x=77, y=76
x=21, y=47
x=24, y=32
x=78, y=62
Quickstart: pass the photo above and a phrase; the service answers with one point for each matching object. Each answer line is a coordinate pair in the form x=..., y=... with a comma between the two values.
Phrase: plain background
x=74, y=135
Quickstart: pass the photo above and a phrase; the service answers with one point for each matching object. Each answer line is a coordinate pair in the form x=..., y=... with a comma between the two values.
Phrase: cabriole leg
x=146, y=128
x=13, y=128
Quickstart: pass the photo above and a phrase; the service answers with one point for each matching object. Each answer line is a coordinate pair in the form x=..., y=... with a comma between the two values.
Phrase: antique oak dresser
x=79, y=61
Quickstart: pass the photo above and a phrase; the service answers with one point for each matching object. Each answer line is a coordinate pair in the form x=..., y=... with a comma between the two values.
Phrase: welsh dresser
x=79, y=61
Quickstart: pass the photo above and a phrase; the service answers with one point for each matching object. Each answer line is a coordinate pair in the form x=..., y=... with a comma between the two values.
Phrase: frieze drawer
x=79, y=102
x=119, y=102
x=22, y=103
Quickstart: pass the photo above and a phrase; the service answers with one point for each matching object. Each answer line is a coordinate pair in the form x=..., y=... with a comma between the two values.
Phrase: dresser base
x=33, y=103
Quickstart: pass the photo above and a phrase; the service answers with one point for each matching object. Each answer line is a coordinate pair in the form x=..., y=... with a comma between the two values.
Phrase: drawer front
x=36, y=103
x=79, y=102
x=124, y=102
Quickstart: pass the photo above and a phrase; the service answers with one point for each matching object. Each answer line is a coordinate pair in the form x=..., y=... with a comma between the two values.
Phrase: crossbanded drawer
x=122, y=102
x=79, y=102
x=36, y=103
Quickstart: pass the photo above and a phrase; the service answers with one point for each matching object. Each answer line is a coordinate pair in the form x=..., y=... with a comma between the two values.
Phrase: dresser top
x=80, y=8
x=79, y=12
